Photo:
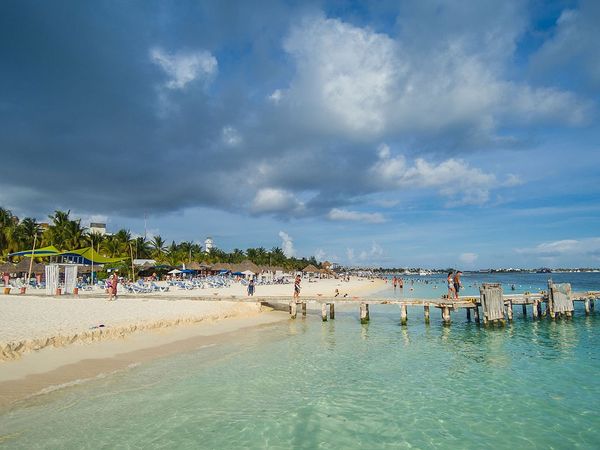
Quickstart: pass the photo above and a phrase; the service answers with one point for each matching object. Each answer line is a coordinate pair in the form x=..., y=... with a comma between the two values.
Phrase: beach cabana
x=51, y=250
x=87, y=255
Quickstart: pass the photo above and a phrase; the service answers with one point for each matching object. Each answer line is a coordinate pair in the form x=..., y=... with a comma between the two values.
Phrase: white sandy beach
x=41, y=336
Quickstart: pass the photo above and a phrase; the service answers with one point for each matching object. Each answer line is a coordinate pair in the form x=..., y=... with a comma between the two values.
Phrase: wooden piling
x=364, y=313
x=468, y=314
x=509, y=311
x=331, y=311
x=403, y=314
x=446, y=315
x=591, y=304
x=426, y=312
x=587, y=306
x=303, y=309
x=324, y=312
x=524, y=310
x=293, y=309
x=476, y=314
x=539, y=308
x=534, y=308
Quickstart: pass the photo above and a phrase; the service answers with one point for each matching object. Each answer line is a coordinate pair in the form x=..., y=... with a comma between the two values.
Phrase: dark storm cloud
x=90, y=121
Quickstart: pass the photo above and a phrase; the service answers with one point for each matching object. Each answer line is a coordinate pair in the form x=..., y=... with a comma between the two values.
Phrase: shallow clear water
x=339, y=384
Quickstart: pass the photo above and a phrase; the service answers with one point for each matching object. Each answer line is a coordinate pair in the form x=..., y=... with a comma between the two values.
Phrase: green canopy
x=51, y=250
x=89, y=255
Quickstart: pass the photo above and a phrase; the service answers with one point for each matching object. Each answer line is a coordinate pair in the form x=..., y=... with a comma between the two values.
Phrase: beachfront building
x=98, y=228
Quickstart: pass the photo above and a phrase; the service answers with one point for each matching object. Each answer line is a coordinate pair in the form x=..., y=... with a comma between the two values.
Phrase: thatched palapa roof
x=310, y=269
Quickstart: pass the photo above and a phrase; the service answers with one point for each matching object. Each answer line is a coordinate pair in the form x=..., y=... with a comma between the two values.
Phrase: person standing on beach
x=450, y=282
x=251, y=288
x=297, y=286
x=457, y=284
x=112, y=290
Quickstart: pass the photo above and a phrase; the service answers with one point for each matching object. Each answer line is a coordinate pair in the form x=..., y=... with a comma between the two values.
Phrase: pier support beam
x=293, y=309
x=324, y=312
x=591, y=304
x=426, y=312
x=468, y=314
x=524, y=310
x=331, y=311
x=509, y=311
x=446, y=315
x=403, y=314
x=476, y=314
x=303, y=309
x=364, y=312
x=534, y=308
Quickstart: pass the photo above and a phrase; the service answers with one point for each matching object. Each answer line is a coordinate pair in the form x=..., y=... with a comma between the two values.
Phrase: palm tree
x=141, y=248
x=157, y=244
x=111, y=246
x=29, y=230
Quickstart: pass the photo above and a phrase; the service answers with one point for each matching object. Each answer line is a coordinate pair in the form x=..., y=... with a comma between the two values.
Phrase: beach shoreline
x=47, y=342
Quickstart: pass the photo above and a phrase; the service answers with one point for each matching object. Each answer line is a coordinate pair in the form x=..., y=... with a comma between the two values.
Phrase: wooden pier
x=496, y=308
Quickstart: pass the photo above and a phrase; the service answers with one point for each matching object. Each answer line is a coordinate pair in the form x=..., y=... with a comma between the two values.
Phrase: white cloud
x=185, y=67
x=270, y=200
x=287, y=244
x=350, y=254
x=276, y=96
x=363, y=83
x=345, y=71
x=452, y=178
x=231, y=136
x=468, y=258
x=355, y=216
x=573, y=46
x=320, y=254
x=563, y=248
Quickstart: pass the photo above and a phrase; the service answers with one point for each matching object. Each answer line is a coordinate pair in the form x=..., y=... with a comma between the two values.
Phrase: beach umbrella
x=174, y=271
x=7, y=268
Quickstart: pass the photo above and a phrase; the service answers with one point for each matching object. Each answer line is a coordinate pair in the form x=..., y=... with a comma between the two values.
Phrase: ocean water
x=309, y=384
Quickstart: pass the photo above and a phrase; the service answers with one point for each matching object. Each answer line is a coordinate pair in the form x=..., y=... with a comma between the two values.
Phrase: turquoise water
x=339, y=384
x=434, y=286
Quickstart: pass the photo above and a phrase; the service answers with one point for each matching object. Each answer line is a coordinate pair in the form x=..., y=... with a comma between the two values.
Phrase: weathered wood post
x=587, y=306
x=468, y=314
x=364, y=312
x=331, y=311
x=476, y=313
x=293, y=309
x=303, y=309
x=492, y=302
x=559, y=297
x=534, y=308
x=403, y=314
x=591, y=304
x=426, y=312
x=324, y=312
x=509, y=311
x=524, y=307
x=446, y=315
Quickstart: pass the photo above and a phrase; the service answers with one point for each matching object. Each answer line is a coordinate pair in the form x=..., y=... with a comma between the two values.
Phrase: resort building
x=99, y=228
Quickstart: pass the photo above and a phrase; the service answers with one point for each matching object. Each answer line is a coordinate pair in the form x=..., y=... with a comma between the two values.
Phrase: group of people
x=398, y=282
x=454, y=284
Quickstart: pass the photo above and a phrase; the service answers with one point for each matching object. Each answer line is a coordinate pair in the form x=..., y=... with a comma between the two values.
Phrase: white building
x=208, y=244
x=99, y=228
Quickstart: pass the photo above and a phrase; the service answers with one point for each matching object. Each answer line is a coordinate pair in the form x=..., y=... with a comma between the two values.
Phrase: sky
x=391, y=133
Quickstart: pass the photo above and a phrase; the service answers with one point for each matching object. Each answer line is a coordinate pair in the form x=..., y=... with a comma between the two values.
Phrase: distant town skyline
x=393, y=133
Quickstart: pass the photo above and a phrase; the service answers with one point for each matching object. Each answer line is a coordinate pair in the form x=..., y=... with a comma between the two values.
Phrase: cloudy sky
x=394, y=133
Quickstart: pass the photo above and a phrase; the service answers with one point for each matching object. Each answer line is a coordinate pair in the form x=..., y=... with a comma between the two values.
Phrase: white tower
x=208, y=244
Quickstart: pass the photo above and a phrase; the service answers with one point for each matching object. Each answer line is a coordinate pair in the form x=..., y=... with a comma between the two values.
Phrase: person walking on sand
x=297, y=286
x=457, y=284
x=112, y=290
x=450, y=282
x=251, y=288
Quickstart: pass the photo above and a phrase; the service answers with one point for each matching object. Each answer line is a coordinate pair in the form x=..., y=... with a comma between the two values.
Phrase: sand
x=57, y=341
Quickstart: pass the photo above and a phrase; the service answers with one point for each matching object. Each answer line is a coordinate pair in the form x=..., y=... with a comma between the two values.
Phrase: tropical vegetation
x=66, y=233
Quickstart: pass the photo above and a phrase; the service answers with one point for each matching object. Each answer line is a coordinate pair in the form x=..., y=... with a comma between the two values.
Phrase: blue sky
x=393, y=133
